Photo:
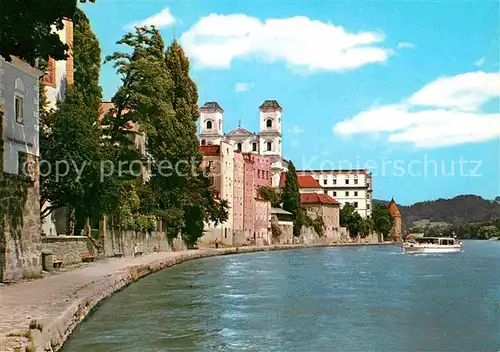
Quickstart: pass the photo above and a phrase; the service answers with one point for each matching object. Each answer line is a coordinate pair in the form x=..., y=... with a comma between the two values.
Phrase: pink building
x=238, y=193
x=249, y=196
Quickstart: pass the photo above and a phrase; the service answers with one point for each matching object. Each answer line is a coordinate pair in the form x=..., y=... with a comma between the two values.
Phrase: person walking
x=134, y=251
x=216, y=243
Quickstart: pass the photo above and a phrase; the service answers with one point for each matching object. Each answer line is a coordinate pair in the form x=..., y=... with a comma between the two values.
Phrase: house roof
x=106, y=106
x=210, y=149
x=270, y=105
x=305, y=181
x=211, y=105
x=317, y=198
x=393, y=209
x=240, y=131
x=332, y=172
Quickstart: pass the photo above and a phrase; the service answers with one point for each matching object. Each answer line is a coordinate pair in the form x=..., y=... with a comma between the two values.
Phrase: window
x=203, y=142
x=355, y=204
x=269, y=146
x=346, y=182
x=347, y=193
x=334, y=193
x=326, y=191
x=254, y=146
x=269, y=123
x=368, y=206
x=239, y=147
x=258, y=173
x=355, y=193
x=356, y=181
x=325, y=182
x=209, y=125
x=210, y=164
x=334, y=182
x=19, y=109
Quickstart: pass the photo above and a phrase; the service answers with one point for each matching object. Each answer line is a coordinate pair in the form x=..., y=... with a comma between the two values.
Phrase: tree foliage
x=71, y=151
x=351, y=219
x=291, y=199
x=26, y=28
x=158, y=94
x=382, y=220
x=272, y=195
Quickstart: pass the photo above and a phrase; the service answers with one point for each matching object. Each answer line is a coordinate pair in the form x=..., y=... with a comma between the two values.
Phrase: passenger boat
x=432, y=245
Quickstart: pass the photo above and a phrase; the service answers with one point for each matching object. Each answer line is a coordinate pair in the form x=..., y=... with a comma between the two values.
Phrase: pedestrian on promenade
x=216, y=243
x=134, y=251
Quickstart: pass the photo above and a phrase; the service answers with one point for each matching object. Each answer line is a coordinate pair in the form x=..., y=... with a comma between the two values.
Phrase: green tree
x=71, y=151
x=271, y=195
x=487, y=232
x=291, y=199
x=26, y=28
x=366, y=227
x=382, y=220
x=351, y=219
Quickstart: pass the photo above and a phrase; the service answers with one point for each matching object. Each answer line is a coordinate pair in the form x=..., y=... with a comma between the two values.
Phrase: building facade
x=20, y=240
x=346, y=186
x=267, y=142
x=236, y=178
x=324, y=206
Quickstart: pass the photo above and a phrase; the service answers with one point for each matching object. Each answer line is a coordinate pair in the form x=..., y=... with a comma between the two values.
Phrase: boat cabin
x=442, y=241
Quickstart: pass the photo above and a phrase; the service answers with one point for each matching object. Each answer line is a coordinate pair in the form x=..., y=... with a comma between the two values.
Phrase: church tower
x=270, y=128
x=211, y=123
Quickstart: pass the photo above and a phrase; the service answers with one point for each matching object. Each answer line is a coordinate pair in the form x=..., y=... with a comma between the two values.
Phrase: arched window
x=203, y=142
x=209, y=125
x=269, y=146
x=254, y=146
x=269, y=123
x=238, y=146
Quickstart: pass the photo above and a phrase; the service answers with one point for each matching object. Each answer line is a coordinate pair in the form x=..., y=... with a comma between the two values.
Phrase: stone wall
x=122, y=242
x=20, y=240
x=68, y=249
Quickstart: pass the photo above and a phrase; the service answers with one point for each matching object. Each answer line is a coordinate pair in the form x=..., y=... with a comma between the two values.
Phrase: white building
x=266, y=142
x=346, y=186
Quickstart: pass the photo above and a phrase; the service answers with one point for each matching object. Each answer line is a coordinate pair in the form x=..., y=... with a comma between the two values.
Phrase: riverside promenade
x=39, y=315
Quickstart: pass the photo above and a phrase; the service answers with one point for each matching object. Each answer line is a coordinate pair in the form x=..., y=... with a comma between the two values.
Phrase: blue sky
x=390, y=85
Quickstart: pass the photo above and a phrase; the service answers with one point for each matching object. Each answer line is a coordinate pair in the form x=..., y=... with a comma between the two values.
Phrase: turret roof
x=393, y=209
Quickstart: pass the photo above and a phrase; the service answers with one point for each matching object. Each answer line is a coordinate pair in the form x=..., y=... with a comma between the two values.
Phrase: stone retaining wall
x=68, y=249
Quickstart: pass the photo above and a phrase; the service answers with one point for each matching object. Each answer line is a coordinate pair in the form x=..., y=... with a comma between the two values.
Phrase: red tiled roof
x=316, y=198
x=331, y=172
x=304, y=181
x=210, y=149
x=393, y=209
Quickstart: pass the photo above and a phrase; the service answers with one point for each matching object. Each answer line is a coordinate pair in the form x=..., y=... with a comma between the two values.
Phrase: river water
x=321, y=299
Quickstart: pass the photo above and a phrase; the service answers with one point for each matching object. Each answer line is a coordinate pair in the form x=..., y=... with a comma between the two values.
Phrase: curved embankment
x=41, y=314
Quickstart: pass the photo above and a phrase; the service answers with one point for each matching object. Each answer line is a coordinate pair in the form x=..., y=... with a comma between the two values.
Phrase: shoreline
x=40, y=315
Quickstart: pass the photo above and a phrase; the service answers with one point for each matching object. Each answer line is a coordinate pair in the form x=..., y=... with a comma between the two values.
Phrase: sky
x=408, y=90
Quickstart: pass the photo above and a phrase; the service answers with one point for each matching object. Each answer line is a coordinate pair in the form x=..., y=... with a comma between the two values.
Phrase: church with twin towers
x=267, y=142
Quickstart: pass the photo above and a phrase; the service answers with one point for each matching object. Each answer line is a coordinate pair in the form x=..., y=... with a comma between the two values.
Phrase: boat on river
x=432, y=245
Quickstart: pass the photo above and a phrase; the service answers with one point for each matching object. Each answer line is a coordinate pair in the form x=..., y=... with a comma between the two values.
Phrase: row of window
x=209, y=124
x=269, y=146
x=325, y=181
x=346, y=193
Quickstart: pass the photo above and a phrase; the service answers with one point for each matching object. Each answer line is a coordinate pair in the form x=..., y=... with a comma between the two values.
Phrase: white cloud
x=468, y=91
x=162, y=19
x=480, y=62
x=242, y=87
x=295, y=130
x=452, y=114
x=402, y=45
x=217, y=40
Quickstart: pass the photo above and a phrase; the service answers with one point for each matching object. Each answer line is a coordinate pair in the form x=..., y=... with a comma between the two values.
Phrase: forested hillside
x=464, y=214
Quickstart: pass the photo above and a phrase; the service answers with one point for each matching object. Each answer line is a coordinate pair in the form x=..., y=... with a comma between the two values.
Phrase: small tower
x=270, y=128
x=211, y=116
x=397, y=227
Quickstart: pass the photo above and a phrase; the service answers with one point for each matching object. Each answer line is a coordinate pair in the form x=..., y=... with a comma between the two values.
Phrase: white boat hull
x=416, y=249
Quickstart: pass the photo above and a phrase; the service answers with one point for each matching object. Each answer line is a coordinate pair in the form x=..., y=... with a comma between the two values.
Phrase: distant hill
x=456, y=211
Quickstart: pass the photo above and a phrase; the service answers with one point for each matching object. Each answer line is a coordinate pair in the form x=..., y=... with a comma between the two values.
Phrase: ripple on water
x=333, y=299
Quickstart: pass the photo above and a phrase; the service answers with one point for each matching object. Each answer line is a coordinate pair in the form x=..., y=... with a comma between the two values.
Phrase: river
x=320, y=299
